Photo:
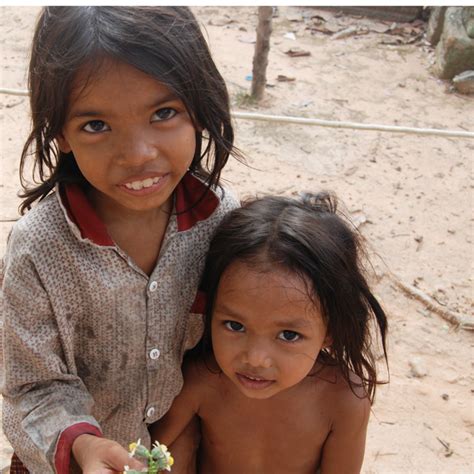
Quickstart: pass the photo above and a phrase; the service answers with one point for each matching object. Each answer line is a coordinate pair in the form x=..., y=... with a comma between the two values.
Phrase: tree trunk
x=262, y=47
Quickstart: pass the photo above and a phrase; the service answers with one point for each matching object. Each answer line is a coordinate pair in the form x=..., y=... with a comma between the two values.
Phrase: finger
x=134, y=464
x=118, y=458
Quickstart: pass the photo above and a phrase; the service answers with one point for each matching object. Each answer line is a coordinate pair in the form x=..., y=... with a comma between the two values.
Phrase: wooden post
x=262, y=47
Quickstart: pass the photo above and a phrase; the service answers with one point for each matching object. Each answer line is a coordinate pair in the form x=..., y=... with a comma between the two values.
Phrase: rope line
x=13, y=91
x=322, y=123
x=353, y=125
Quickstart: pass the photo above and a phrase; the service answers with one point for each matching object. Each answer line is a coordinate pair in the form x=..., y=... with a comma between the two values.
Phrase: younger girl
x=289, y=379
x=130, y=131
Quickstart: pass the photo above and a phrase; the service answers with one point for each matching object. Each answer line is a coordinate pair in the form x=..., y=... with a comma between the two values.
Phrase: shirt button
x=153, y=286
x=150, y=412
x=154, y=354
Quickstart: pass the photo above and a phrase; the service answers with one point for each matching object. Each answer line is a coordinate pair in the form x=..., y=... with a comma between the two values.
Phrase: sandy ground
x=412, y=193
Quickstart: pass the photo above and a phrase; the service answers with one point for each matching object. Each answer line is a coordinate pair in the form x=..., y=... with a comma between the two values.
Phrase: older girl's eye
x=289, y=336
x=164, y=114
x=96, y=126
x=234, y=326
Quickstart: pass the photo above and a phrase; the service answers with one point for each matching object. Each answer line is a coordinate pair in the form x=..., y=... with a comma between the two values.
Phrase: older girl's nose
x=138, y=148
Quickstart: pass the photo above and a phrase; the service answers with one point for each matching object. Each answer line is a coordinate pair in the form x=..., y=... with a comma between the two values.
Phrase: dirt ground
x=412, y=195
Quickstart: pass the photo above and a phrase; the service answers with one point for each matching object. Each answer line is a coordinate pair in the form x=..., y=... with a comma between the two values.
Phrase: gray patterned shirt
x=91, y=343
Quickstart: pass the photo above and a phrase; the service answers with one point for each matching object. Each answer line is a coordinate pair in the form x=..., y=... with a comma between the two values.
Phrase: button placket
x=154, y=352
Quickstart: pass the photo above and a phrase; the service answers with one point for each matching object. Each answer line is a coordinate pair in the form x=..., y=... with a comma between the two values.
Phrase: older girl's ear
x=63, y=144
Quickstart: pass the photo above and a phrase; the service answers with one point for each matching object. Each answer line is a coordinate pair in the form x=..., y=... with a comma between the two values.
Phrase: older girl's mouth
x=143, y=186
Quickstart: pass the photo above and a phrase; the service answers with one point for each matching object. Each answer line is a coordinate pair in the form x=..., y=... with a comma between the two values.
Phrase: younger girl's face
x=132, y=138
x=266, y=331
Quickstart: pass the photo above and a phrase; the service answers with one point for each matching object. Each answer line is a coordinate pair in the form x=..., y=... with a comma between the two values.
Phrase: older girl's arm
x=183, y=410
x=45, y=405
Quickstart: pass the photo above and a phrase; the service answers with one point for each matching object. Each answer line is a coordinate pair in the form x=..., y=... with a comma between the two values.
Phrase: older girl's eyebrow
x=85, y=113
x=80, y=113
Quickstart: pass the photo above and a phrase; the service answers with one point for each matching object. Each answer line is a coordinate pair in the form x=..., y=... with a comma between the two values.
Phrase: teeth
x=146, y=183
x=254, y=378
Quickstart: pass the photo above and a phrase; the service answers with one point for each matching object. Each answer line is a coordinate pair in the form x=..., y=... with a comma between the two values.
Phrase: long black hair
x=308, y=238
x=162, y=41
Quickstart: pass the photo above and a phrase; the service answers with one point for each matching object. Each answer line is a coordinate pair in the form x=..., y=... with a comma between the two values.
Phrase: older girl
x=130, y=132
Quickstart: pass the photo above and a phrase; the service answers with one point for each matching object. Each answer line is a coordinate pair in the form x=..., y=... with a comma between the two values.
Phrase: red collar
x=193, y=203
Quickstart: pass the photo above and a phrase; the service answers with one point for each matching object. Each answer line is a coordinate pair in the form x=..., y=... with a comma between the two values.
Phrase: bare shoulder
x=349, y=409
x=348, y=400
x=201, y=373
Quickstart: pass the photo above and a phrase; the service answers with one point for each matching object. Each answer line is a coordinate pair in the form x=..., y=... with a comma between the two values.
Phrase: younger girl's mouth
x=253, y=382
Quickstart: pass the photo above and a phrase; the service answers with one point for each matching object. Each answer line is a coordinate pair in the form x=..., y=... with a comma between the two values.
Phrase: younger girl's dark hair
x=308, y=238
x=162, y=41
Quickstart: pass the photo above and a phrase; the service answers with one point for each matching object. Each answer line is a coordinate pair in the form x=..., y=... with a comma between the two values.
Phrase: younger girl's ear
x=327, y=341
x=63, y=144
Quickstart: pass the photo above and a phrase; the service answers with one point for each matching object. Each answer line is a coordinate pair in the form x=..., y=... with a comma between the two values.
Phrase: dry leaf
x=297, y=52
x=283, y=78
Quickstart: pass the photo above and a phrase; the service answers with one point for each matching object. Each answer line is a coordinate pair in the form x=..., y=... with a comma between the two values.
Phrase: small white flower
x=133, y=447
x=162, y=455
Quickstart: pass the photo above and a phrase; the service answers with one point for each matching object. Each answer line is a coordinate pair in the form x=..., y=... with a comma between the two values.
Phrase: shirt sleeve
x=46, y=404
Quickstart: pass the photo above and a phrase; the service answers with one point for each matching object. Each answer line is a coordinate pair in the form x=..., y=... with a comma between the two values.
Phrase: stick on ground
x=459, y=320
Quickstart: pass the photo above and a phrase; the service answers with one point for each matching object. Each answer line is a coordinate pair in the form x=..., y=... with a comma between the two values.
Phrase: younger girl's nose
x=256, y=356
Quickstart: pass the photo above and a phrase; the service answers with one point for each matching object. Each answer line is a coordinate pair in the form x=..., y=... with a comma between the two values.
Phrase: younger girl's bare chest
x=283, y=434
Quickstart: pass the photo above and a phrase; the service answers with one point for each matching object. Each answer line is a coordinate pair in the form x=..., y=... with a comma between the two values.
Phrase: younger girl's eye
x=164, y=114
x=96, y=126
x=289, y=336
x=234, y=326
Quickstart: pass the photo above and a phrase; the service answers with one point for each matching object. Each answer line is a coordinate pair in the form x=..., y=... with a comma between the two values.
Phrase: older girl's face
x=266, y=330
x=132, y=138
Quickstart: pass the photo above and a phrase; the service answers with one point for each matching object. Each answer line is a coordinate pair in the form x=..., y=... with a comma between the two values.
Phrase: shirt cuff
x=62, y=456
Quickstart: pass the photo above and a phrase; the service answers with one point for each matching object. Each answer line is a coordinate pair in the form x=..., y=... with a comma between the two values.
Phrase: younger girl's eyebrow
x=222, y=309
x=296, y=323
x=293, y=323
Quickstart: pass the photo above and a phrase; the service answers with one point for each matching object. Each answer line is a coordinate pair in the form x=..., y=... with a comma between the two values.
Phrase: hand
x=101, y=456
